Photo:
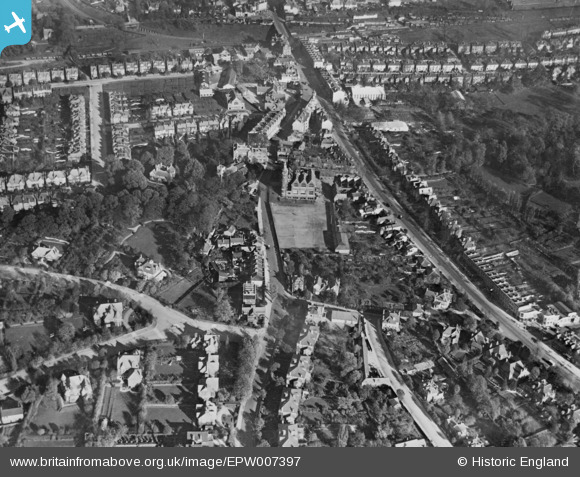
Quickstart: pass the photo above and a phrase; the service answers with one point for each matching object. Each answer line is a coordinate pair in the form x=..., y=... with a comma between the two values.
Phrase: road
x=419, y=415
x=509, y=326
x=407, y=398
x=168, y=319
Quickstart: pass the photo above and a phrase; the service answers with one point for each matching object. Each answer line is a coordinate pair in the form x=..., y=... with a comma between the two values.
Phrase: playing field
x=300, y=225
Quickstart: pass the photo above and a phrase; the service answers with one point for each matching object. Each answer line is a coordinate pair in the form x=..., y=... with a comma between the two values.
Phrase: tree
x=353, y=377
x=66, y=332
x=357, y=439
x=502, y=153
x=436, y=335
x=135, y=180
x=151, y=359
x=223, y=310
x=29, y=395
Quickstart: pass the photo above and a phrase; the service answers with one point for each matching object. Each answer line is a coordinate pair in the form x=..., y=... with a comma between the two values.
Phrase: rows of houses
x=31, y=77
x=207, y=116
x=495, y=268
x=77, y=143
x=561, y=32
x=24, y=192
x=508, y=47
x=510, y=64
x=240, y=255
x=39, y=180
x=299, y=374
x=208, y=367
x=140, y=67
x=396, y=65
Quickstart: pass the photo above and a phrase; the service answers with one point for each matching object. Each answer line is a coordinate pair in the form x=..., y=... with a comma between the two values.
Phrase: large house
x=300, y=371
x=108, y=314
x=307, y=340
x=150, y=270
x=73, y=387
x=304, y=184
x=290, y=435
x=290, y=404
x=44, y=253
x=129, y=371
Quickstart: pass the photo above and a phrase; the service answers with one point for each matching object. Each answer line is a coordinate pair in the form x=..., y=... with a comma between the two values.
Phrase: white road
x=168, y=319
x=408, y=400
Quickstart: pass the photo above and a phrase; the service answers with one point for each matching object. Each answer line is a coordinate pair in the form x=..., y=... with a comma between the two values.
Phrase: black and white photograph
x=250, y=224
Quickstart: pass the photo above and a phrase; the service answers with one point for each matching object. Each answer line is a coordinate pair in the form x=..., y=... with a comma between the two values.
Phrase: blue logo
x=15, y=22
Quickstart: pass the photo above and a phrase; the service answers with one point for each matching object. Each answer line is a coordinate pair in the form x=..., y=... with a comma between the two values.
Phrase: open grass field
x=49, y=417
x=139, y=87
x=120, y=407
x=175, y=289
x=535, y=101
x=201, y=33
x=300, y=225
x=150, y=241
x=178, y=418
x=27, y=338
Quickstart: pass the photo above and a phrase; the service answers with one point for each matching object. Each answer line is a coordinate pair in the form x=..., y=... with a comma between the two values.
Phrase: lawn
x=174, y=288
x=211, y=34
x=50, y=418
x=535, y=101
x=27, y=338
x=120, y=407
x=179, y=393
x=178, y=418
x=300, y=225
x=157, y=86
x=149, y=241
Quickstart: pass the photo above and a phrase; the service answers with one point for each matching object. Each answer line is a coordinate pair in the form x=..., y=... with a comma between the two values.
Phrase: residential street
x=168, y=319
x=508, y=325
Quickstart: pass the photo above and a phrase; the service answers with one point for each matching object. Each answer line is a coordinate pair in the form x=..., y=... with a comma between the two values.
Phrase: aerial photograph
x=290, y=223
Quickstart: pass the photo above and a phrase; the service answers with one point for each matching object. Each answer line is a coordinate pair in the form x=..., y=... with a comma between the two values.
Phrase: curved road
x=168, y=319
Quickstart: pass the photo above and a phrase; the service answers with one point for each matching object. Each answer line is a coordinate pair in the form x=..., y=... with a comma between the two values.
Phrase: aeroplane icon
x=18, y=22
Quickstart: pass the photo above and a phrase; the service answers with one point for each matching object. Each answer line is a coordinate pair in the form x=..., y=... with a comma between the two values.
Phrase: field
x=139, y=87
x=147, y=242
x=120, y=407
x=50, y=418
x=535, y=101
x=27, y=338
x=199, y=33
x=300, y=225
x=151, y=240
x=178, y=418
x=173, y=290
